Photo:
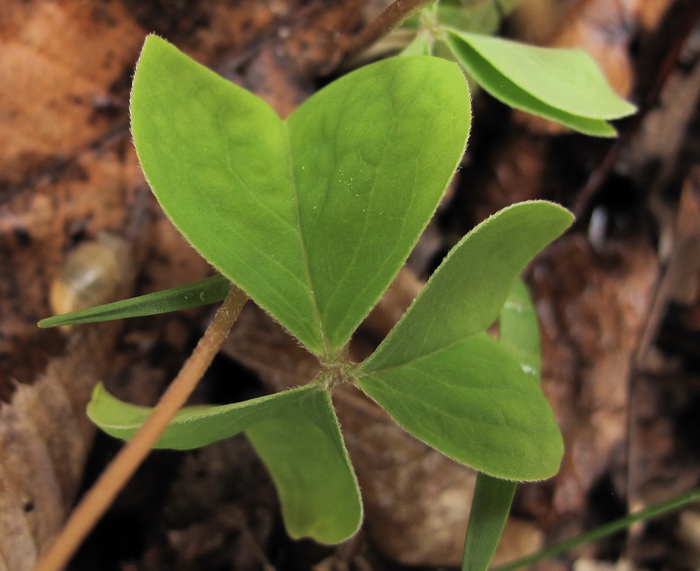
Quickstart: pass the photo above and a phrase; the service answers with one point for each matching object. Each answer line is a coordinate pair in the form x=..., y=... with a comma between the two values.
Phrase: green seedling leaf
x=311, y=216
x=479, y=17
x=203, y=292
x=421, y=45
x=194, y=426
x=558, y=77
x=473, y=402
x=304, y=451
x=518, y=331
x=466, y=293
x=454, y=387
x=547, y=82
x=296, y=434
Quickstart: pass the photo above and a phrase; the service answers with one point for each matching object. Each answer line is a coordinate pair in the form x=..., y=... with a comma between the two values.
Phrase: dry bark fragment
x=592, y=309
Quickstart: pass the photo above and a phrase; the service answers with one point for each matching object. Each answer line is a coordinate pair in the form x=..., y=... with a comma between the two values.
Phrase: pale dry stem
x=114, y=478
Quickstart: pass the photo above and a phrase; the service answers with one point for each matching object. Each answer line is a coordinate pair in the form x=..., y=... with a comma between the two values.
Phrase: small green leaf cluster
x=562, y=85
x=313, y=216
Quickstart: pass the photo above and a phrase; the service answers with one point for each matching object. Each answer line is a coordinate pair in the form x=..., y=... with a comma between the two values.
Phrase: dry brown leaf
x=591, y=323
x=650, y=12
x=59, y=63
x=516, y=171
x=45, y=437
x=653, y=156
x=681, y=272
x=37, y=228
x=661, y=464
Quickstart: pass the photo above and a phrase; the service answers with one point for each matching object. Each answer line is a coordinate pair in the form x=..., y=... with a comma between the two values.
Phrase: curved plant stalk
x=395, y=15
x=100, y=496
x=604, y=530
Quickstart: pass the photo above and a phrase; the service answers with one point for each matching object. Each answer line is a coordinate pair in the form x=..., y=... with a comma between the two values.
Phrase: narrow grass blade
x=196, y=294
x=604, y=530
x=490, y=507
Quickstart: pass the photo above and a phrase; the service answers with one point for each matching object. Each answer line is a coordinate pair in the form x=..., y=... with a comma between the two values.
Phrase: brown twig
x=113, y=479
x=395, y=15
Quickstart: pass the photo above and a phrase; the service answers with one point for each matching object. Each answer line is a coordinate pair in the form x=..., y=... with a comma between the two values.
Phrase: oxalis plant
x=312, y=217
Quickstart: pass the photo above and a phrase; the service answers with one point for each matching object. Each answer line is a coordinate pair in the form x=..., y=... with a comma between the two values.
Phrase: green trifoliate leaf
x=296, y=434
x=203, y=292
x=564, y=85
x=312, y=216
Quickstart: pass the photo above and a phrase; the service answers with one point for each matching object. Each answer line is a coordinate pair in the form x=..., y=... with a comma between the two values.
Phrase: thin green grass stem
x=604, y=530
